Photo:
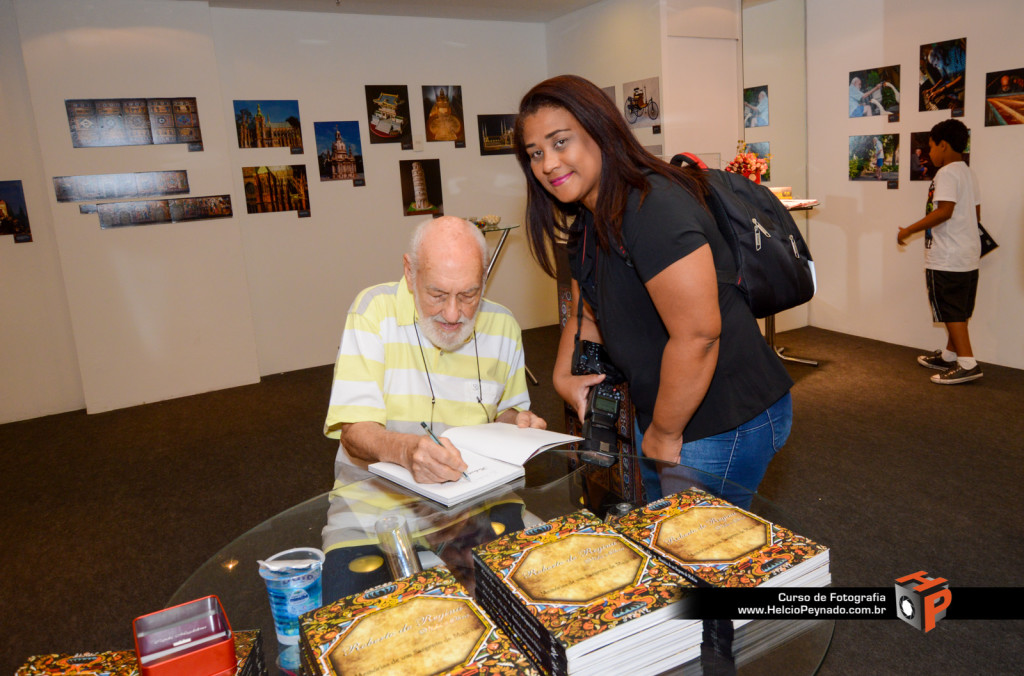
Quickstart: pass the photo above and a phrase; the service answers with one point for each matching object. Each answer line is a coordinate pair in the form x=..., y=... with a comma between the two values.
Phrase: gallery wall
x=867, y=285
x=303, y=273
x=114, y=318
x=157, y=311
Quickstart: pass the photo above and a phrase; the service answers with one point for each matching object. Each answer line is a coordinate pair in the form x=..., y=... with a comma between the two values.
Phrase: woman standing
x=644, y=250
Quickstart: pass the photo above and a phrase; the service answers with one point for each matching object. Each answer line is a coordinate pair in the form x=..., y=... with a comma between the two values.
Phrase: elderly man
x=427, y=349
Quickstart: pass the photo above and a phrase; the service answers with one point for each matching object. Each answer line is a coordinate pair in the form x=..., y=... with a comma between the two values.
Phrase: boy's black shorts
x=951, y=294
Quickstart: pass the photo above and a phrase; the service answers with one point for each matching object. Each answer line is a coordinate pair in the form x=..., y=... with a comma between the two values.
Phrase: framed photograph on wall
x=762, y=150
x=755, y=106
x=874, y=157
x=875, y=92
x=421, y=187
x=387, y=113
x=14, y=212
x=1004, y=97
x=268, y=124
x=495, y=132
x=442, y=110
x=642, y=106
x=339, y=152
x=943, y=71
x=276, y=188
x=101, y=123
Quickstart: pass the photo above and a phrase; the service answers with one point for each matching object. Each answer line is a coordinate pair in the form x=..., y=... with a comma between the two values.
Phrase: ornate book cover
x=573, y=585
x=422, y=624
x=713, y=542
x=248, y=650
x=110, y=663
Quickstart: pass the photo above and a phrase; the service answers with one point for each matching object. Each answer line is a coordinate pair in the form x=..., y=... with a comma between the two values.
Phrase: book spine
x=522, y=626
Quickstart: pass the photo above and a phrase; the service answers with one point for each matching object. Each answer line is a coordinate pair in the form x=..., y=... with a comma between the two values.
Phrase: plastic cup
x=293, y=579
x=393, y=535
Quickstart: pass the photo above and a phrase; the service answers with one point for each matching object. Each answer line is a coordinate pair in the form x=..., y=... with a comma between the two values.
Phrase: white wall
x=702, y=76
x=38, y=365
x=773, y=55
x=610, y=43
x=157, y=311
x=867, y=285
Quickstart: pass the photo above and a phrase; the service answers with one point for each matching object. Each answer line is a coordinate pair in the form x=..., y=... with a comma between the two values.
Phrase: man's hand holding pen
x=435, y=460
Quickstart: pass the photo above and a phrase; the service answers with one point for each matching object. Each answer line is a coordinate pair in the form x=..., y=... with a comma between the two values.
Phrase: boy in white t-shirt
x=952, y=251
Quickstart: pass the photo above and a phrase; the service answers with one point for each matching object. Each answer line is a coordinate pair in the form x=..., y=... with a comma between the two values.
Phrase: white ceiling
x=535, y=11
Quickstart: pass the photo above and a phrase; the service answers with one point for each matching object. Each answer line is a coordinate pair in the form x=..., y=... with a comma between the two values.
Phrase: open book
x=495, y=454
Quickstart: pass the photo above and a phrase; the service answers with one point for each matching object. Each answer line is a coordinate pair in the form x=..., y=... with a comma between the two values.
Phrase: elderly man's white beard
x=448, y=342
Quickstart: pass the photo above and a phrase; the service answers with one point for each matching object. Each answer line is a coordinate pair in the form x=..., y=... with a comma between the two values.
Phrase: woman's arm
x=574, y=389
x=686, y=297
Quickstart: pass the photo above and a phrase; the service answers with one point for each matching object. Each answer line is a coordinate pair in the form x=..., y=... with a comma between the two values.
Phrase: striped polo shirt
x=383, y=375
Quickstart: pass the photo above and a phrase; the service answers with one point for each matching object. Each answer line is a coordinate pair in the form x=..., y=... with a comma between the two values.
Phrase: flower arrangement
x=748, y=164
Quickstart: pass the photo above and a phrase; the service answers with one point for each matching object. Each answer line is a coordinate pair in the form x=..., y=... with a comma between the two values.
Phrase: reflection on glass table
x=343, y=523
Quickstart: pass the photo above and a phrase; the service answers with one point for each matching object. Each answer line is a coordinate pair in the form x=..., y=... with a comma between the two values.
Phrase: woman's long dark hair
x=623, y=164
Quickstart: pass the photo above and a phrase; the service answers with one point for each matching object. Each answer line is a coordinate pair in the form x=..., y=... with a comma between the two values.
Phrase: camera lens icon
x=906, y=607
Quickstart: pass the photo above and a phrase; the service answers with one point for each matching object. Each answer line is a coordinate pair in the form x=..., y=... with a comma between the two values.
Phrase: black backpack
x=774, y=269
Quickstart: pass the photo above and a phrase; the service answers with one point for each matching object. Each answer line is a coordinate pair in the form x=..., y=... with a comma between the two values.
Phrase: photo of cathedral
x=387, y=113
x=495, y=133
x=268, y=124
x=339, y=151
x=280, y=188
x=421, y=187
x=442, y=110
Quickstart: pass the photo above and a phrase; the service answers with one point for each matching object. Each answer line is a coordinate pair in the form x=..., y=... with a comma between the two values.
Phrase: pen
x=438, y=441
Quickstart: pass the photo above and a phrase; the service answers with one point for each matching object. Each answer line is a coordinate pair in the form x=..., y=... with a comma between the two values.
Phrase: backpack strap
x=688, y=158
x=724, y=276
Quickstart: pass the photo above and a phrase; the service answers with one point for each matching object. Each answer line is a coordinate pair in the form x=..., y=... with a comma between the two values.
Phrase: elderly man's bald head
x=444, y=269
x=447, y=236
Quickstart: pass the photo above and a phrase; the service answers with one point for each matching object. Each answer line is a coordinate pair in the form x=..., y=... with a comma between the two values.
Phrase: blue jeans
x=729, y=465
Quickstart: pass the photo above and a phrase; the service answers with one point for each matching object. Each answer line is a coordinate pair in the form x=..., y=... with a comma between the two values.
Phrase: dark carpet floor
x=104, y=516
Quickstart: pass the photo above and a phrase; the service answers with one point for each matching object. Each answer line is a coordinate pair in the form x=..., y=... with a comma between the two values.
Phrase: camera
x=603, y=403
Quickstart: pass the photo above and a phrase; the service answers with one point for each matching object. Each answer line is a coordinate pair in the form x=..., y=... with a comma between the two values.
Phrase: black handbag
x=987, y=243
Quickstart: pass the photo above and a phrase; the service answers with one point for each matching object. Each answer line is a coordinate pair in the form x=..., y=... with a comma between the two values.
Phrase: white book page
x=506, y=442
x=484, y=473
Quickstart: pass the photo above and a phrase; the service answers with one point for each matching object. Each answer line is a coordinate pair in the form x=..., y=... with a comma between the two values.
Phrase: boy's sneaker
x=956, y=375
x=935, y=361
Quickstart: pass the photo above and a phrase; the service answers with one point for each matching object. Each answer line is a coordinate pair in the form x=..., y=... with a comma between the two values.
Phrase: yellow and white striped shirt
x=380, y=374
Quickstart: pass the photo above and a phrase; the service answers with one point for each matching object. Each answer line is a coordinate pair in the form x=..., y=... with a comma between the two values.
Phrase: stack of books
x=714, y=543
x=248, y=651
x=580, y=598
x=425, y=623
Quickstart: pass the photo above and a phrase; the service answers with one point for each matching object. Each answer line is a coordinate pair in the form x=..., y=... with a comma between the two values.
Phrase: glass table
x=556, y=483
